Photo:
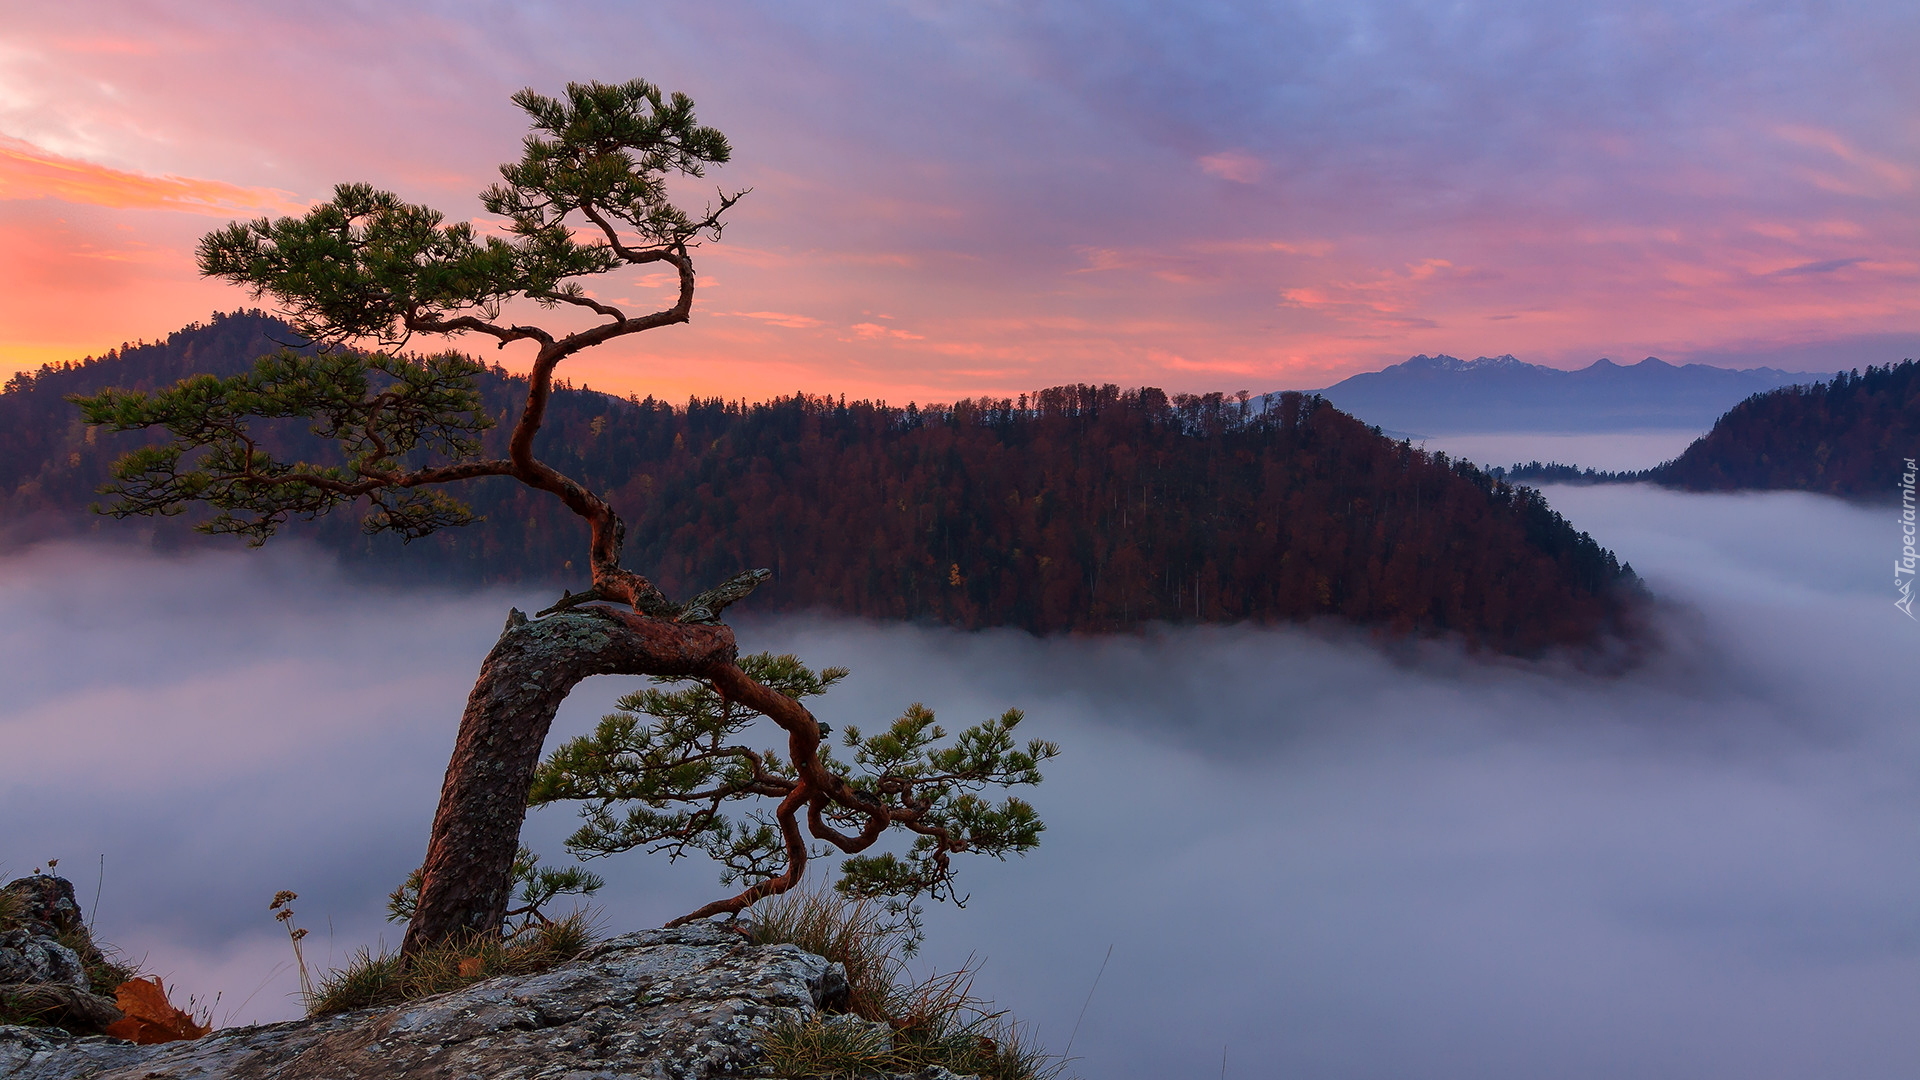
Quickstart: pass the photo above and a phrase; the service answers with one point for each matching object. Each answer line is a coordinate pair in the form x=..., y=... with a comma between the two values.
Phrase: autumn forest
x=1076, y=508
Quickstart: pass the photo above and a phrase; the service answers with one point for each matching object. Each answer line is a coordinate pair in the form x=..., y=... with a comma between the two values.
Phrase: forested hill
x=38, y=426
x=1846, y=437
x=1078, y=508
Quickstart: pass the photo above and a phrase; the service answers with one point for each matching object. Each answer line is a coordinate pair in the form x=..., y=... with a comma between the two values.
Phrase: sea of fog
x=1307, y=855
x=1610, y=451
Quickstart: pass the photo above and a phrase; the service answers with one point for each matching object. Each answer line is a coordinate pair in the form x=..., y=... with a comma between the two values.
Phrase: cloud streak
x=29, y=172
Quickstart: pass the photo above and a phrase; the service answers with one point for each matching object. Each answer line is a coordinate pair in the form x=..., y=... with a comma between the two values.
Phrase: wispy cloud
x=28, y=172
x=1235, y=165
x=1635, y=180
x=1824, y=266
x=778, y=318
x=875, y=330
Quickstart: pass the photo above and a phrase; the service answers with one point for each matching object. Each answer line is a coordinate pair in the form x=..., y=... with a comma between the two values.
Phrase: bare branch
x=428, y=324
x=608, y=310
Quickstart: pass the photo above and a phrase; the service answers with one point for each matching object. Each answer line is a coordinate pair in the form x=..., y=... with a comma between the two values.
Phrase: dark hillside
x=1846, y=437
x=36, y=421
x=1080, y=508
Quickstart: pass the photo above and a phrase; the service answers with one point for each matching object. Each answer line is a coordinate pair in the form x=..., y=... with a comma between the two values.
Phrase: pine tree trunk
x=532, y=668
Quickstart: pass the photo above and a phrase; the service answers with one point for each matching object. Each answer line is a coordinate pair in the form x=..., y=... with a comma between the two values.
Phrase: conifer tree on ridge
x=588, y=197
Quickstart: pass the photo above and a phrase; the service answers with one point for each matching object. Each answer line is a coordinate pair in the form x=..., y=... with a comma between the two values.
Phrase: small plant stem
x=299, y=957
x=1089, y=1001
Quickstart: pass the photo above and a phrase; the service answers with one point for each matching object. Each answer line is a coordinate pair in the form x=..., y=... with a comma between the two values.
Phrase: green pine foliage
x=538, y=885
x=387, y=416
x=589, y=196
x=671, y=773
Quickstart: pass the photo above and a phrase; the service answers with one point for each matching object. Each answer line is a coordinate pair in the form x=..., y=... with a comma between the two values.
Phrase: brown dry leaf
x=470, y=967
x=151, y=1018
x=128, y=1029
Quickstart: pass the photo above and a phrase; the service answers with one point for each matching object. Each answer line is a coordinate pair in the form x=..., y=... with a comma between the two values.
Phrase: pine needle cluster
x=662, y=773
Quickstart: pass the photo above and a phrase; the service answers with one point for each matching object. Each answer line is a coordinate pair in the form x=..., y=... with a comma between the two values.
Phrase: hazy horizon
x=1328, y=857
x=1609, y=451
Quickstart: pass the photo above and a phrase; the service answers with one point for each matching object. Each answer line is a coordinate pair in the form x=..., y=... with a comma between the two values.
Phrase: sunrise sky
x=989, y=197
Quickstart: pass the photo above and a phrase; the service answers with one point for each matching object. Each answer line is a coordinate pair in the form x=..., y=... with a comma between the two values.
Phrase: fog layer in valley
x=1320, y=857
x=1613, y=451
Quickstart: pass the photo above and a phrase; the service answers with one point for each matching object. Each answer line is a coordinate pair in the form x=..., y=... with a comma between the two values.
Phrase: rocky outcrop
x=691, y=1003
x=44, y=904
x=44, y=952
x=27, y=957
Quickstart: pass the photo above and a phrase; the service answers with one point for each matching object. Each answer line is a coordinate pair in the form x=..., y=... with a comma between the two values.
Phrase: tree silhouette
x=588, y=197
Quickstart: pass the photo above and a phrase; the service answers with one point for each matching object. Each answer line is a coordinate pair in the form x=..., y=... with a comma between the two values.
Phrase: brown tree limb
x=483, y=802
x=373, y=481
x=786, y=816
x=816, y=824
x=433, y=324
x=587, y=302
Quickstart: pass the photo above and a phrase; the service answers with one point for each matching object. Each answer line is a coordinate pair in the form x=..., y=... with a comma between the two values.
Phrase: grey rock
x=690, y=1003
x=44, y=907
x=27, y=957
x=47, y=905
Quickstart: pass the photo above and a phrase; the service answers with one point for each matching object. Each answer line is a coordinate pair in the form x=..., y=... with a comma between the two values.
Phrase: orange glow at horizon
x=1176, y=230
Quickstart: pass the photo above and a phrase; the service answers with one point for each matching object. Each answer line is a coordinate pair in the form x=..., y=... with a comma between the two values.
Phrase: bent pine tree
x=587, y=198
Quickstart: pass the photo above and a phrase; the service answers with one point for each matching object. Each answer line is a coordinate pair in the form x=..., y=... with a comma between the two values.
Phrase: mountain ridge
x=1443, y=394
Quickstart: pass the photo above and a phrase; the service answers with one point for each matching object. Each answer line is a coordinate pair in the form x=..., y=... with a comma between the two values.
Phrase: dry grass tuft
x=368, y=980
x=106, y=967
x=936, y=1021
x=829, y=1047
x=851, y=932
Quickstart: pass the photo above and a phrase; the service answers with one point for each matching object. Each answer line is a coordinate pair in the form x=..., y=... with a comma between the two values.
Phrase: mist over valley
x=1325, y=853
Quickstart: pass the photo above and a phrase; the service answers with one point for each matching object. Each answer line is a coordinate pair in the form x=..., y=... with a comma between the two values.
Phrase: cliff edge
x=689, y=1003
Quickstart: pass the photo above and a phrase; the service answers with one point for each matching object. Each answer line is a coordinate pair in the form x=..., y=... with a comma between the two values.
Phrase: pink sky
x=984, y=201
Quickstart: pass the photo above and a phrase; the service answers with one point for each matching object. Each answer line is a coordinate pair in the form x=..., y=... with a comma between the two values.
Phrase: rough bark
x=483, y=802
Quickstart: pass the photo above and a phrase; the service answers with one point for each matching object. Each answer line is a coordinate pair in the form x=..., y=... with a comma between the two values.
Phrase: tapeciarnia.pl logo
x=1903, y=567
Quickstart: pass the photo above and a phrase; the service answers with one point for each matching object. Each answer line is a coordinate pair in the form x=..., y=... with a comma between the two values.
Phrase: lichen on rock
x=690, y=1003
x=46, y=952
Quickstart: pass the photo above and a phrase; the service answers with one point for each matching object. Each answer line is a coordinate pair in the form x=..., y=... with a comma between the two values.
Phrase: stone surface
x=27, y=957
x=44, y=952
x=47, y=905
x=684, y=1004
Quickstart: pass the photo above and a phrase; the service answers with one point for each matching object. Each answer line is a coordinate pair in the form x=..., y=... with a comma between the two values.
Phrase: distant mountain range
x=1087, y=509
x=1440, y=395
x=1850, y=436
